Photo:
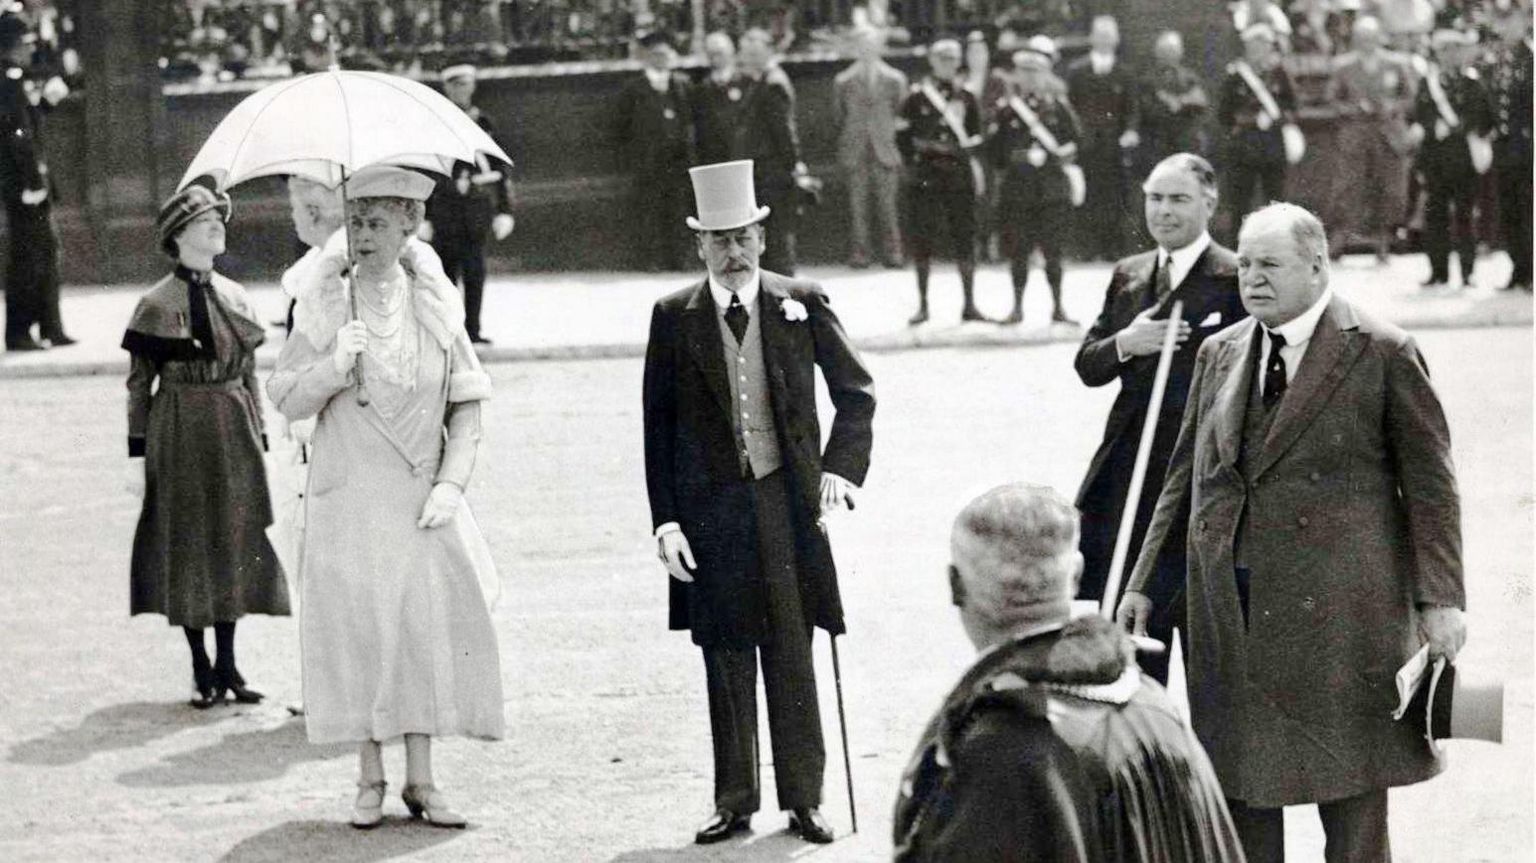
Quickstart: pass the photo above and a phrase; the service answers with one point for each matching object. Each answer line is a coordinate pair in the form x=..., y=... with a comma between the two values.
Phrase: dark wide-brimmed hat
x=183, y=207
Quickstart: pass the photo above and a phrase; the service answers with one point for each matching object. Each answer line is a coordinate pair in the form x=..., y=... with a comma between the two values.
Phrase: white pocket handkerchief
x=1211, y=320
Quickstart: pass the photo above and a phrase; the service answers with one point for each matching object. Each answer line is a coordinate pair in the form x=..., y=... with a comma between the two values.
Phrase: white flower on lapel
x=794, y=310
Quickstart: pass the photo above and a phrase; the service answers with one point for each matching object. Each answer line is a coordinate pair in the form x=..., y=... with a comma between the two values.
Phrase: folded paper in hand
x=1443, y=704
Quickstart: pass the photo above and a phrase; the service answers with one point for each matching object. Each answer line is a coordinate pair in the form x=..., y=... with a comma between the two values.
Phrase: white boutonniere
x=794, y=310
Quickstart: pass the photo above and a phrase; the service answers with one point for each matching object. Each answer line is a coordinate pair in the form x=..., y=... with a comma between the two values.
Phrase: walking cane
x=842, y=724
x=1139, y=470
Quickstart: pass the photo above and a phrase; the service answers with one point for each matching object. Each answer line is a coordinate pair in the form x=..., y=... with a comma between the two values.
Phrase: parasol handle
x=349, y=279
x=1139, y=470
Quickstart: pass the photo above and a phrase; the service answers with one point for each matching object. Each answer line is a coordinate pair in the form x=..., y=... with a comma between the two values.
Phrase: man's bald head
x=1014, y=561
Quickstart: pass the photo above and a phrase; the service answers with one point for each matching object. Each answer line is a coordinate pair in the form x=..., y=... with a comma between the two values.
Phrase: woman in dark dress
x=200, y=554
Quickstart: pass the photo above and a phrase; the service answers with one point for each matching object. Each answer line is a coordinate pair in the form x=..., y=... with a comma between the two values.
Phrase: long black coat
x=691, y=465
x=1211, y=302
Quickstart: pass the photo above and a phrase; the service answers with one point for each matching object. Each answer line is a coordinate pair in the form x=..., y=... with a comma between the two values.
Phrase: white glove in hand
x=55, y=90
x=502, y=225
x=351, y=340
x=442, y=505
x=33, y=197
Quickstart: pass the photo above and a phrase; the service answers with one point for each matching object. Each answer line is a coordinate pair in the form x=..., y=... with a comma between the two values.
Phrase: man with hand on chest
x=738, y=483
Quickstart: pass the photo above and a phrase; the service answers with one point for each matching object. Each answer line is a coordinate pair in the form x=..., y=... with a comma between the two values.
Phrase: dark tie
x=1274, y=371
x=736, y=318
x=1164, y=282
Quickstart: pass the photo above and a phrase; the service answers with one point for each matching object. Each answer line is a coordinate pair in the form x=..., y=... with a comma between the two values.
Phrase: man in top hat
x=654, y=122
x=1103, y=92
x=473, y=203
x=738, y=484
x=1372, y=89
x=32, y=269
x=1313, y=470
x=1123, y=345
x=1257, y=99
x=940, y=126
x=1452, y=113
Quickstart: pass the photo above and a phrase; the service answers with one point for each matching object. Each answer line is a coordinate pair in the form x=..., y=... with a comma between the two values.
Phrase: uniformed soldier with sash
x=467, y=207
x=1034, y=136
x=1257, y=104
x=1510, y=79
x=1453, y=116
x=939, y=126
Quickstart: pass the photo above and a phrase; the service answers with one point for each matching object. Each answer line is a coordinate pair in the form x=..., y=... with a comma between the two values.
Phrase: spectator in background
x=1034, y=139
x=1372, y=91
x=766, y=133
x=1257, y=100
x=1051, y=747
x=654, y=120
x=467, y=207
x=317, y=50
x=868, y=97
x=1405, y=22
x=939, y=129
x=1104, y=94
x=975, y=76
x=1509, y=76
x=717, y=102
x=1452, y=114
x=1246, y=13
x=1174, y=104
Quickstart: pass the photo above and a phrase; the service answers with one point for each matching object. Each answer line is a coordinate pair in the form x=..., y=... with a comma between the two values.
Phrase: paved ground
x=606, y=314
x=607, y=757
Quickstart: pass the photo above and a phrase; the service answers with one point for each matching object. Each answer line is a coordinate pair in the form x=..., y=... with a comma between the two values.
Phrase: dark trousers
x=1446, y=193
x=1515, y=212
x=789, y=678
x=1242, y=175
x=933, y=211
x=1028, y=226
x=1355, y=827
x=463, y=260
x=32, y=273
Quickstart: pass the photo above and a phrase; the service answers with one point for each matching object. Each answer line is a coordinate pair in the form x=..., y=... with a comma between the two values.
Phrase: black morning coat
x=1211, y=303
x=691, y=466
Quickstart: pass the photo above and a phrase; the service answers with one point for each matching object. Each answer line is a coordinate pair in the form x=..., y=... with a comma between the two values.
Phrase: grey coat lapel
x=1333, y=350
x=1231, y=404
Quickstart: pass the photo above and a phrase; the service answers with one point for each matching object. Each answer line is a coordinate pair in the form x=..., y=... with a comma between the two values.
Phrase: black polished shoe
x=920, y=318
x=479, y=339
x=721, y=826
x=229, y=680
x=60, y=341
x=808, y=824
x=203, y=693
x=973, y=314
x=27, y=344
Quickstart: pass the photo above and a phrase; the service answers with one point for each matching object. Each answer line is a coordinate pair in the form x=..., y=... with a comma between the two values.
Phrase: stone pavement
x=579, y=315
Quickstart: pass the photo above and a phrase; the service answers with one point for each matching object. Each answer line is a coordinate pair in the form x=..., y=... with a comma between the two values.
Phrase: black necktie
x=1164, y=282
x=1274, y=371
x=736, y=318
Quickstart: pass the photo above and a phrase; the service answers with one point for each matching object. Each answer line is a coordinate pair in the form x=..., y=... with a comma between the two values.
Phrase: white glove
x=672, y=547
x=424, y=231
x=1130, y=139
x=442, y=505
x=1264, y=121
x=55, y=90
x=351, y=340
x=33, y=197
x=133, y=482
x=1442, y=129
x=501, y=226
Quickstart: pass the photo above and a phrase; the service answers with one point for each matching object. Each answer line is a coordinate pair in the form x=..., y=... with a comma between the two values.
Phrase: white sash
x=1442, y=104
x=1261, y=92
x=1037, y=128
x=949, y=119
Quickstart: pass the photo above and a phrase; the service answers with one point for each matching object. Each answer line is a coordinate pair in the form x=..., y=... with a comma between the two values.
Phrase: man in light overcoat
x=868, y=100
x=1324, y=547
x=738, y=482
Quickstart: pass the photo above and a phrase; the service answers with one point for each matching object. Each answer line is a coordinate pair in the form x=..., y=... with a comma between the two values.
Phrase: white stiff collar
x=748, y=292
x=1181, y=261
x=1298, y=330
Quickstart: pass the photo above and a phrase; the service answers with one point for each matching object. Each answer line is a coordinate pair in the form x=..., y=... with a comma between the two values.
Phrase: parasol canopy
x=327, y=125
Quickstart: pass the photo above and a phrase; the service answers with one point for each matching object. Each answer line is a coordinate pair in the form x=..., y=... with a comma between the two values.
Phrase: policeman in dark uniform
x=1509, y=74
x=475, y=202
x=654, y=121
x=1257, y=99
x=32, y=268
x=1033, y=135
x=939, y=124
x=1453, y=105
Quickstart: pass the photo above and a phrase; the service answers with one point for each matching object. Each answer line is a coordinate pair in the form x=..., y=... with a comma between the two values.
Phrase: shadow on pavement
x=337, y=842
x=249, y=756
x=121, y=726
x=764, y=847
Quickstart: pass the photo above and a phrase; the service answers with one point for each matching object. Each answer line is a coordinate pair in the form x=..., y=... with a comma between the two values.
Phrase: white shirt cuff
x=668, y=527
x=1120, y=351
